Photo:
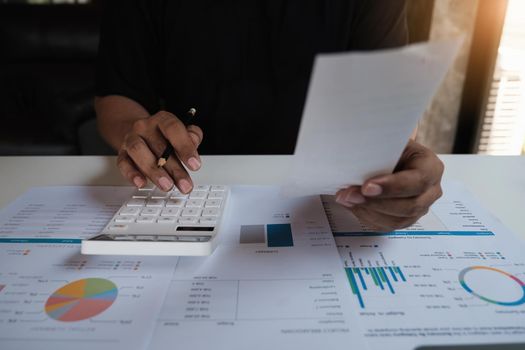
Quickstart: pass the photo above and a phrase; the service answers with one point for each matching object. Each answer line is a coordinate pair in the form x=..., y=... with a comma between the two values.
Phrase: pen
x=169, y=148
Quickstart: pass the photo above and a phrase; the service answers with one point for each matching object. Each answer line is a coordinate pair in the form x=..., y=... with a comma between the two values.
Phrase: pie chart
x=81, y=299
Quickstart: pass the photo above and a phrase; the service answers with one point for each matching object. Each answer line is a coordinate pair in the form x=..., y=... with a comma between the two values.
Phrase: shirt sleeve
x=129, y=55
x=379, y=24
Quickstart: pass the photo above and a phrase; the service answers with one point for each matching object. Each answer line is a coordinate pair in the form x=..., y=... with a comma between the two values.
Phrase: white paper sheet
x=52, y=297
x=288, y=291
x=360, y=112
x=75, y=212
x=455, y=277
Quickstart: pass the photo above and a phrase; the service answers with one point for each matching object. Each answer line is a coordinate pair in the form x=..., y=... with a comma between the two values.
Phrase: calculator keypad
x=151, y=210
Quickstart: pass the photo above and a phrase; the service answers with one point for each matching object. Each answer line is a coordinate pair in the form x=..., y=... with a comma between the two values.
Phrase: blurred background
x=48, y=51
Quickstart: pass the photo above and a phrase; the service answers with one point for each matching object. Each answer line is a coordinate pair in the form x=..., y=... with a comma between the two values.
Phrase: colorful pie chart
x=519, y=285
x=82, y=299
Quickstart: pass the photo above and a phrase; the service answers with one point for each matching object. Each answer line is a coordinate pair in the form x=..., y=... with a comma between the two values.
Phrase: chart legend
x=82, y=299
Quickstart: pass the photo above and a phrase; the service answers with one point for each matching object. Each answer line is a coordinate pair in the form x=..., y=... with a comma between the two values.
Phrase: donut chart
x=521, y=284
x=81, y=299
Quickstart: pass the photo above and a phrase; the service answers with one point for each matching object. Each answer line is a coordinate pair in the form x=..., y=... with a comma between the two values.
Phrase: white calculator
x=154, y=222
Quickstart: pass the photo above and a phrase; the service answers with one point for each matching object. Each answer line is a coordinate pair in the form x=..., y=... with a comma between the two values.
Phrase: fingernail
x=165, y=183
x=185, y=186
x=355, y=198
x=137, y=180
x=339, y=199
x=194, y=163
x=372, y=189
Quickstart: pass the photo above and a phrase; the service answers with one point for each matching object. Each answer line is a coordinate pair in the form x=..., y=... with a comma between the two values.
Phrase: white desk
x=498, y=182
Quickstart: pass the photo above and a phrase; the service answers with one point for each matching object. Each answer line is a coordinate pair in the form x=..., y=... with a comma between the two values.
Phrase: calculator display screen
x=195, y=228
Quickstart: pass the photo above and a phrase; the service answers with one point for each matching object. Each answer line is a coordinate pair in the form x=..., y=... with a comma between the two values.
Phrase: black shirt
x=243, y=64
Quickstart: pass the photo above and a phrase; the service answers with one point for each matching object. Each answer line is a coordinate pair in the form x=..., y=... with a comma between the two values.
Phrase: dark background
x=47, y=67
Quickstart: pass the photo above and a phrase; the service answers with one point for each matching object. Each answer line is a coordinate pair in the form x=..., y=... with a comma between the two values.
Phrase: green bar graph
x=357, y=278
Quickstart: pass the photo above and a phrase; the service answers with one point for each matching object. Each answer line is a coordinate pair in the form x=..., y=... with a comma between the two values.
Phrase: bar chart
x=273, y=235
x=362, y=279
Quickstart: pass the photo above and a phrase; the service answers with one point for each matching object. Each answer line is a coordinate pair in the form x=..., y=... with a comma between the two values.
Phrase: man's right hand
x=144, y=144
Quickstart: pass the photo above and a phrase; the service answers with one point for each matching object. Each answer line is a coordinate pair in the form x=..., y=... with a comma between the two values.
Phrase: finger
x=147, y=130
x=182, y=179
x=175, y=132
x=405, y=207
x=139, y=152
x=196, y=134
x=403, y=184
x=380, y=221
x=129, y=170
x=422, y=169
x=350, y=196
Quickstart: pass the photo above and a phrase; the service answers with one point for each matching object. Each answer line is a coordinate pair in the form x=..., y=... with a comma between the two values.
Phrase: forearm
x=115, y=117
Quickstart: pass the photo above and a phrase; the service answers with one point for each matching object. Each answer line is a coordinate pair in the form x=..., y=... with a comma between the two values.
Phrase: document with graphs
x=275, y=281
x=455, y=277
x=52, y=297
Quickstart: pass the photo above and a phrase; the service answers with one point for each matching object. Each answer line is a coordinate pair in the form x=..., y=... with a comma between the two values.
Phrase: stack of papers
x=325, y=280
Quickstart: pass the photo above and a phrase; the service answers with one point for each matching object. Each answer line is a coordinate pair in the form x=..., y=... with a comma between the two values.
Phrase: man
x=245, y=66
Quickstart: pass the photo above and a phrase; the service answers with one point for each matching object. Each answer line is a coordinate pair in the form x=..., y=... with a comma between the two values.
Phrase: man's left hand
x=394, y=201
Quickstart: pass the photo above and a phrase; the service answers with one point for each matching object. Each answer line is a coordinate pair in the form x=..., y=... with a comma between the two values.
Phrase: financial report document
x=274, y=281
x=278, y=278
x=52, y=297
x=455, y=277
x=275, y=278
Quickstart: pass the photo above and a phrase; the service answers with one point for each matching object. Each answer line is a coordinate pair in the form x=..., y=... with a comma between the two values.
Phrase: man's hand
x=144, y=144
x=394, y=201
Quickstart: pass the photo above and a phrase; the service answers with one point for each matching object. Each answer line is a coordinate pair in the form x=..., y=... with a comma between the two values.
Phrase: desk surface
x=497, y=182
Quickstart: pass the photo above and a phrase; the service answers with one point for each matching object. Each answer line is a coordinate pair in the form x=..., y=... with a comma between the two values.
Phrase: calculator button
x=208, y=221
x=166, y=220
x=124, y=219
x=190, y=212
x=123, y=238
x=165, y=238
x=118, y=227
x=210, y=212
x=140, y=194
x=155, y=203
x=150, y=211
x=130, y=211
x=145, y=238
x=170, y=212
x=135, y=202
x=188, y=239
x=198, y=195
x=159, y=194
x=213, y=203
x=178, y=194
x=145, y=220
x=218, y=188
x=216, y=195
x=148, y=187
x=194, y=203
x=186, y=221
x=176, y=202
x=201, y=188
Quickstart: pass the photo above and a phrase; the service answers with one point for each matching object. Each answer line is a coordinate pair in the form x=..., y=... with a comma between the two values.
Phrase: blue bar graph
x=279, y=235
x=378, y=275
